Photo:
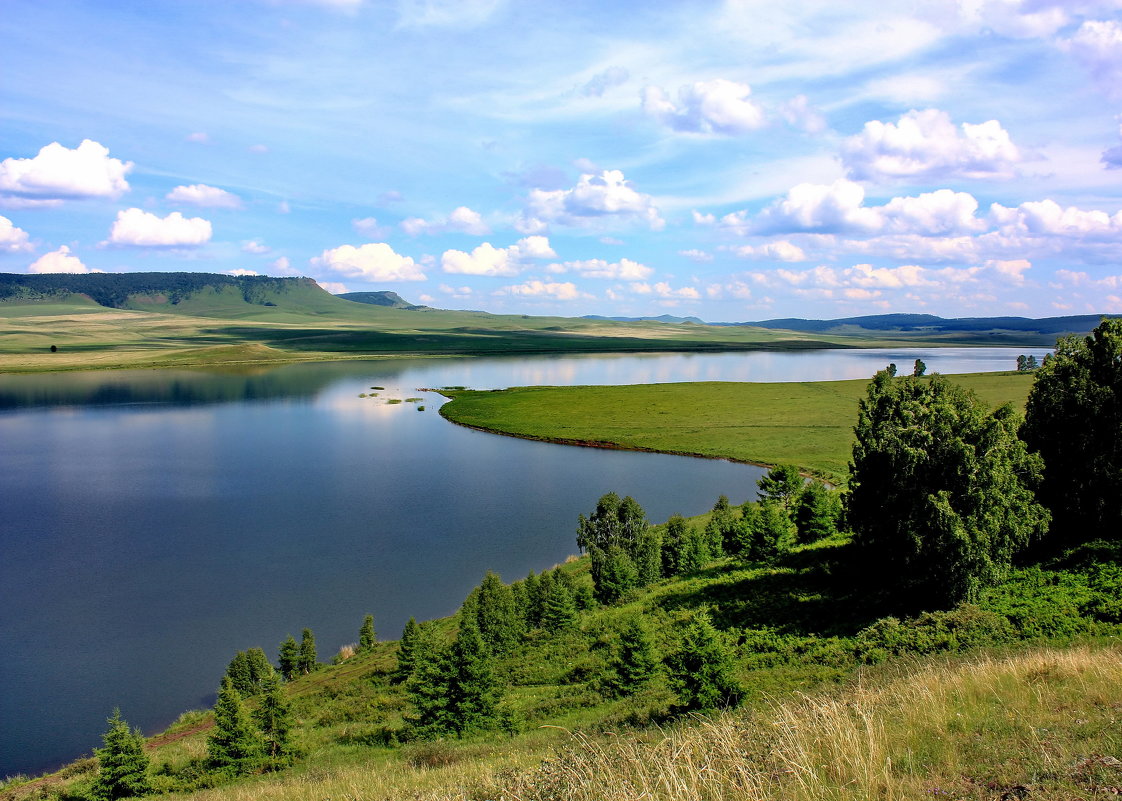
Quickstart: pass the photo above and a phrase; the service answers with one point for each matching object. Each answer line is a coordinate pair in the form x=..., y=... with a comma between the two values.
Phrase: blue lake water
x=153, y=523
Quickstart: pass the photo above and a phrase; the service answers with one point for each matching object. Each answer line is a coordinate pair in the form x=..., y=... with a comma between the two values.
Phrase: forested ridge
x=960, y=528
x=114, y=289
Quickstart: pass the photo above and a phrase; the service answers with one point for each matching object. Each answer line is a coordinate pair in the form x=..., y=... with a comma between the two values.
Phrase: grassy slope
x=808, y=424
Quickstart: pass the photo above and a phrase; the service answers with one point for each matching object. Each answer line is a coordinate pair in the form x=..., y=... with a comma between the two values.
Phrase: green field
x=809, y=424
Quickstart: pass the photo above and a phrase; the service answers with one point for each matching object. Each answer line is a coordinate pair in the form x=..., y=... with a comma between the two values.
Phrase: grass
x=809, y=424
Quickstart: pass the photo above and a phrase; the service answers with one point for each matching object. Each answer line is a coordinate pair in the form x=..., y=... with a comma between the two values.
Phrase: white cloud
x=283, y=265
x=334, y=287
x=699, y=256
x=58, y=173
x=932, y=213
x=58, y=261
x=1048, y=218
x=12, y=239
x=141, y=229
x=778, y=251
x=375, y=261
x=256, y=248
x=927, y=145
x=241, y=271
x=439, y=13
x=205, y=197
x=623, y=270
x=489, y=260
x=1016, y=19
x=369, y=227
x=707, y=107
x=814, y=207
x=799, y=114
x=1013, y=269
x=199, y=137
x=607, y=196
x=462, y=220
x=1098, y=46
x=541, y=289
x=664, y=290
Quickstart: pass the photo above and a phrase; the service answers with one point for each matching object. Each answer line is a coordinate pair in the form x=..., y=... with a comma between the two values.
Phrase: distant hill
x=930, y=324
x=383, y=298
x=662, y=318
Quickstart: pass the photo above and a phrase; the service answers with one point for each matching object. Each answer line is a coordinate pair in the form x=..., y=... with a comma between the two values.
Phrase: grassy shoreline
x=693, y=419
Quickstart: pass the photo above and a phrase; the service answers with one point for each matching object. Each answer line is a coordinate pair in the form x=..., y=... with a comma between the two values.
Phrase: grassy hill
x=160, y=319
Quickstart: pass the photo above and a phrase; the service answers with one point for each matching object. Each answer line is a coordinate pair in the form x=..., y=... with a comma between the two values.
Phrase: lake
x=156, y=522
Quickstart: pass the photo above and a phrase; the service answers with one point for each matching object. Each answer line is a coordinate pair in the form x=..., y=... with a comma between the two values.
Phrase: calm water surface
x=155, y=522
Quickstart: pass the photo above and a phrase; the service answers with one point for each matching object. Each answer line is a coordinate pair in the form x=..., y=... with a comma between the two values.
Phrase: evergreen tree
x=537, y=590
x=1073, y=420
x=289, y=658
x=648, y=557
x=770, y=533
x=428, y=690
x=238, y=673
x=816, y=513
x=1031, y=363
x=940, y=492
x=635, y=662
x=701, y=670
x=919, y=369
x=521, y=605
x=1022, y=363
x=274, y=718
x=307, y=660
x=498, y=619
x=367, y=637
x=407, y=650
x=721, y=528
x=234, y=746
x=781, y=484
x=122, y=764
x=259, y=669
x=559, y=610
x=473, y=690
x=613, y=574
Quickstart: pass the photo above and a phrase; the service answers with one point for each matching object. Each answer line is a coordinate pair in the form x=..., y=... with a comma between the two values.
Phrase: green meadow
x=808, y=424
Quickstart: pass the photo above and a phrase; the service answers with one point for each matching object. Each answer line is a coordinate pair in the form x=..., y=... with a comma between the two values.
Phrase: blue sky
x=731, y=160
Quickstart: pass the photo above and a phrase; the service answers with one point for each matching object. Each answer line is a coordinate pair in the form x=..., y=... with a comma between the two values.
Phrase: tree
x=307, y=659
x=289, y=658
x=769, y=532
x=559, y=608
x=685, y=550
x=1073, y=420
x=816, y=513
x=238, y=674
x=274, y=718
x=122, y=770
x=367, y=637
x=407, y=650
x=940, y=492
x=648, y=557
x=919, y=369
x=454, y=690
x=614, y=522
x=701, y=670
x=635, y=661
x=1022, y=363
x=614, y=574
x=781, y=484
x=721, y=528
x=1031, y=363
x=496, y=615
x=234, y=747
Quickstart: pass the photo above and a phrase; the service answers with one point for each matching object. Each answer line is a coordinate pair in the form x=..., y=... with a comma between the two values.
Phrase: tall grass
x=1044, y=723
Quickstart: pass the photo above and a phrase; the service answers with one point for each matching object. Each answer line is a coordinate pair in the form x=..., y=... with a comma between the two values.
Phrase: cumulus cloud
x=541, y=289
x=1098, y=46
x=12, y=239
x=1048, y=218
x=699, y=256
x=58, y=173
x=487, y=259
x=926, y=145
x=58, y=261
x=135, y=227
x=369, y=227
x=256, y=248
x=932, y=213
x=814, y=207
x=374, y=261
x=334, y=287
x=241, y=271
x=205, y=197
x=603, y=81
x=1013, y=269
x=798, y=113
x=623, y=270
x=462, y=220
x=283, y=265
x=607, y=196
x=706, y=107
x=777, y=251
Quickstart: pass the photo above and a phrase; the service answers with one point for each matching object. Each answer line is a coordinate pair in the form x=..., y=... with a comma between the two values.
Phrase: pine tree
x=307, y=660
x=559, y=610
x=648, y=557
x=367, y=637
x=473, y=691
x=701, y=670
x=635, y=662
x=234, y=747
x=428, y=686
x=537, y=590
x=721, y=528
x=274, y=718
x=289, y=658
x=122, y=763
x=239, y=675
x=685, y=550
x=613, y=574
x=496, y=615
x=817, y=512
x=259, y=669
x=770, y=533
x=781, y=484
x=407, y=650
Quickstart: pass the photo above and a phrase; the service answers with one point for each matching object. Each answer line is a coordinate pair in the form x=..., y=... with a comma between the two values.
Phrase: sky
x=732, y=161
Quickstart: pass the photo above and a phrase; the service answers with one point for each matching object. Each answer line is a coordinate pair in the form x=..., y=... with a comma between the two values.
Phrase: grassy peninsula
x=808, y=424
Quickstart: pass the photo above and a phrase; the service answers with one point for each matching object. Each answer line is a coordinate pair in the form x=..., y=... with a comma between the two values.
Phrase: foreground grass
x=809, y=424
